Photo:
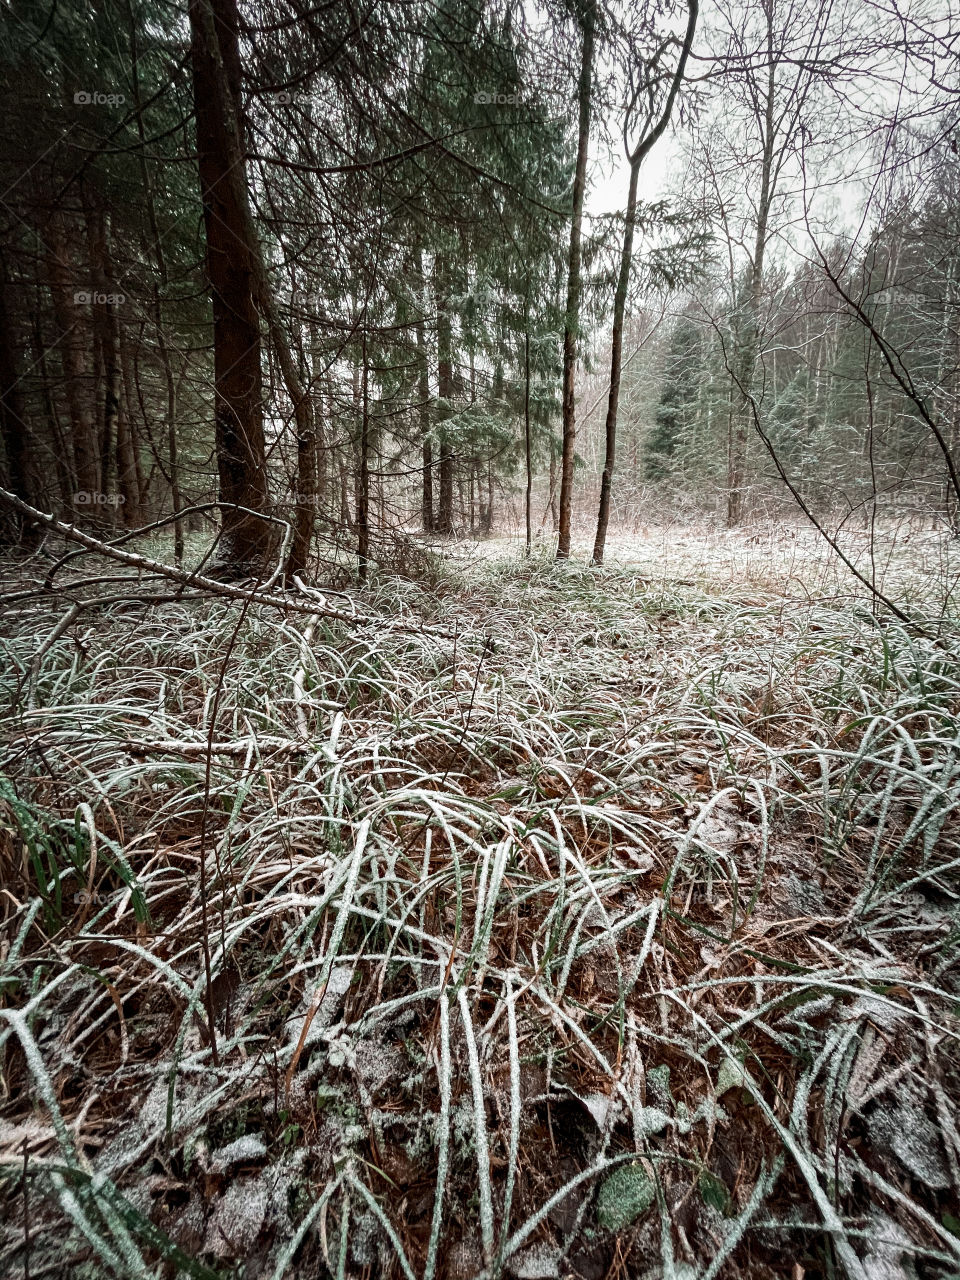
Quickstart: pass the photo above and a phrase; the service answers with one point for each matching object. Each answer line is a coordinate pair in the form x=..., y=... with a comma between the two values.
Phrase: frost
x=539, y=1262
x=624, y=1196
x=882, y=1013
x=464, y=1261
x=651, y=1120
x=237, y=1218
x=800, y=1016
x=150, y=1122
x=888, y=1243
x=598, y=1104
x=658, y=1084
x=338, y=985
x=732, y=1075
x=377, y=1064
x=719, y=833
x=804, y=897
x=250, y=1147
x=364, y=1237
x=341, y=1052
x=905, y=1129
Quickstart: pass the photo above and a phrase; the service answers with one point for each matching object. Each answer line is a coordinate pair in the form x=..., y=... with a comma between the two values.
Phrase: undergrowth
x=593, y=927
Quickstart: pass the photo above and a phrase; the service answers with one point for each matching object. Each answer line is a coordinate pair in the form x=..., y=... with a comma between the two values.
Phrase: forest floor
x=550, y=922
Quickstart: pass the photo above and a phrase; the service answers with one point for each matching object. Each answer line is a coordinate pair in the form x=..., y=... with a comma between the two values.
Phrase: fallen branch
x=254, y=595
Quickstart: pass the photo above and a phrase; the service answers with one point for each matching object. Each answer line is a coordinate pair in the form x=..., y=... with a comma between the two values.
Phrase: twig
x=211, y=586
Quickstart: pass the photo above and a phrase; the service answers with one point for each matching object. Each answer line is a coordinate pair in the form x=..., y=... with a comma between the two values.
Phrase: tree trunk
x=363, y=486
x=586, y=19
x=58, y=443
x=423, y=391
x=528, y=493
x=426, y=505
x=307, y=484
x=231, y=272
x=155, y=249
x=344, y=501
x=749, y=327
x=69, y=315
x=128, y=481
x=13, y=429
x=107, y=322
x=616, y=350
x=445, y=392
x=623, y=282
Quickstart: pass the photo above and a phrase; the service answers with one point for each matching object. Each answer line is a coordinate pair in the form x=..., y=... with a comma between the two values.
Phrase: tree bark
x=586, y=18
x=160, y=284
x=306, y=412
x=128, y=481
x=107, y=321
x=426, y=505
x=445, y=392
x=13, y=429
x=69, y=315
x=231, y=272
x=616, y=348
x=623, y=282
x=749, y=324
x=363, y=487
x=423, y=391
x=528, y=493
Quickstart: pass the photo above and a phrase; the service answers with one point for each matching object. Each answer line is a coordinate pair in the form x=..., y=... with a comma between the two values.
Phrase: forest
x=480, y=639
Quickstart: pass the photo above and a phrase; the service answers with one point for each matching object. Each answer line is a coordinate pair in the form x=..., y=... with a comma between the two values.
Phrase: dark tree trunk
x=551, y=508
x=307, y=488
x=309, y=479
x=108, y=326
x=586, y=18
x=13, y=429
x=69, y=315
x=363, y=486
x=344, y=500
x=749, y=320
x=427, y=501
x=528, y=492
x=231, y=272
x=445, y=392
x=445, y=505
x=130, y=478
x=155, y=250
x=63, y=454
x=636, y=158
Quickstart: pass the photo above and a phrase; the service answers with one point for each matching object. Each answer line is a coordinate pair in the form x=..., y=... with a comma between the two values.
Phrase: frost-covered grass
x=605, y=925
x=913, y=562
